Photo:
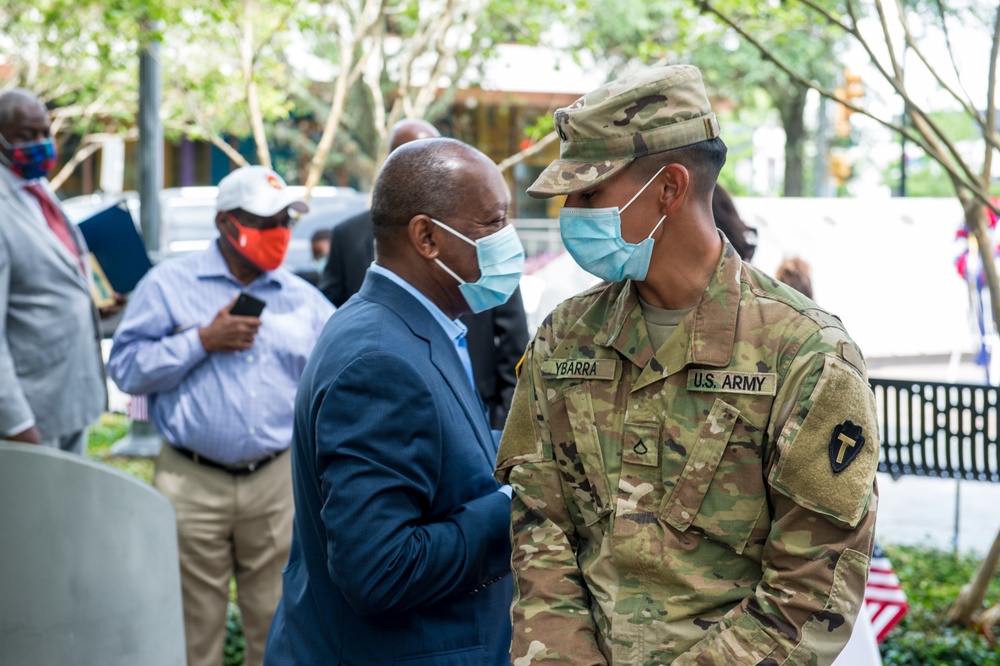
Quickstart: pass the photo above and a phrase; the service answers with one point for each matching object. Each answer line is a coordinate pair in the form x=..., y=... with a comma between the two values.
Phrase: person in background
x=400, y=553
x=496, y=337
x=743, y=238
x=794, y=271
x=320, y=246
x=221, y=384
x=692, y=446
x=52, y=384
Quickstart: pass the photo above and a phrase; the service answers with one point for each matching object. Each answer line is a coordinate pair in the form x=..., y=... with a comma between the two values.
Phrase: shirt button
x=252, y=430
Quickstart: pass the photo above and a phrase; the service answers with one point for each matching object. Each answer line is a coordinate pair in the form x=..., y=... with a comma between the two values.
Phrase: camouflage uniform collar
x=624, y=329
x=709, y=330
x=713, y=327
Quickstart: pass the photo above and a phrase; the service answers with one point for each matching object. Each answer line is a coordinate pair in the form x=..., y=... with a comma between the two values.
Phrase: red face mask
x=264, y=248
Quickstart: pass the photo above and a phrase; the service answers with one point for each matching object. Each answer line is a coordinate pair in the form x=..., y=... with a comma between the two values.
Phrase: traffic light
x=852, y=89
x=840, y=168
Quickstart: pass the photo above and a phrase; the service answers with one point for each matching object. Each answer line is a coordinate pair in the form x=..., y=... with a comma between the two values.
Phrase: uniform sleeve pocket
x=587, y=478
x=718, y=493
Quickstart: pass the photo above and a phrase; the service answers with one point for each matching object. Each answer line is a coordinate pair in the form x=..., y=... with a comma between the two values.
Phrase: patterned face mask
x=30, y=159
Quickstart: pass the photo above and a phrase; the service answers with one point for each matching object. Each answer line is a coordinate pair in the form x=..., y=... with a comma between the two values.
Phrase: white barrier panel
x=88, y=565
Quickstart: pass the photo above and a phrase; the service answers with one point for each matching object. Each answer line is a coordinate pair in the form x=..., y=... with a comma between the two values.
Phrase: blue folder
x=112, y=237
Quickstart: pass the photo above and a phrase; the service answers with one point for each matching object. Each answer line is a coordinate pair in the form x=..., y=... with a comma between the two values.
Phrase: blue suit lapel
x=379, y=289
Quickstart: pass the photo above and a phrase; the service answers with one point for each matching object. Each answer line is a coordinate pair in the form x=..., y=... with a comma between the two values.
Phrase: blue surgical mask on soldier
x=501, y=263
x=593, y=237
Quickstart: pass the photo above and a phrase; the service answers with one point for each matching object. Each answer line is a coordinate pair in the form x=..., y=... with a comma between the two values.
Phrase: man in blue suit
x=400, y=552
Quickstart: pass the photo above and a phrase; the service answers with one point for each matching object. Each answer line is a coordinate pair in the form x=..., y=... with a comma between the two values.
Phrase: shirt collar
x=212, y=264
x=15, y=181
x=710, y=329
x=453, y=328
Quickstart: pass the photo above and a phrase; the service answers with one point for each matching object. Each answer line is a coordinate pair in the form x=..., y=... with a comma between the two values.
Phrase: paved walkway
x=921, y=511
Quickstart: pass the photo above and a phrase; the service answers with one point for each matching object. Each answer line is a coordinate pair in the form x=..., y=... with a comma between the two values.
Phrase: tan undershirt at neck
x=661, y=322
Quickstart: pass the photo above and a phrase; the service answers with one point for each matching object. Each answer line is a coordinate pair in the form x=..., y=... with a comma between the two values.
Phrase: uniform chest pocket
x=720, y=492
x=577, y=450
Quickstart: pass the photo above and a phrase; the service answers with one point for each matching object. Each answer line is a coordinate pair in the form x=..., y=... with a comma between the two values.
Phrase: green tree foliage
x=62, y=51
x=666, y=33
x=325, y=78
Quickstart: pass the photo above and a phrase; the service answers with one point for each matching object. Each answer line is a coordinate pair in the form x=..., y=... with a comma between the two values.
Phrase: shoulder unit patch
x=845, y=445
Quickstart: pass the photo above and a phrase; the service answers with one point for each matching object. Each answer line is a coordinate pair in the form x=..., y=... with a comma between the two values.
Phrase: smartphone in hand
x=247, y=306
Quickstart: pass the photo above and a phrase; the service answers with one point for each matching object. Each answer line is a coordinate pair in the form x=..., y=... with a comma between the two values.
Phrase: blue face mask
x=593, y=237
x=30, y=159
x=501, y=262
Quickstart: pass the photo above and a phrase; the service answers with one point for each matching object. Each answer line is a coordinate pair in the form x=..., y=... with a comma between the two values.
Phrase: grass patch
x=932, y=579
x=108, y=430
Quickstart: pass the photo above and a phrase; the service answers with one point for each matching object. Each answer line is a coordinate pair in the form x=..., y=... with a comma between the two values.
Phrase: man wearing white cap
x=222, y=389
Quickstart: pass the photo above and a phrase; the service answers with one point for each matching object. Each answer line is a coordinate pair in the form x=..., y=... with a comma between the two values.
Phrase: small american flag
x=138, y=408
x=884, y=598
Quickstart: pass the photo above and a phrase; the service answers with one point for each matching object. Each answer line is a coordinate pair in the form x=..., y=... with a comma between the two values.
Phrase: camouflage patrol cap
x=647, y=112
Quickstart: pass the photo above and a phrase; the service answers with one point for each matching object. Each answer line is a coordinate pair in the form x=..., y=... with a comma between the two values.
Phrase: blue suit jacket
x=400, y=553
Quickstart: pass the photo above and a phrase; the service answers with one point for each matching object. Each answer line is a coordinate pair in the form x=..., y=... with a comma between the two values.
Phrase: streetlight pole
x=143, y=439
x=150, y=142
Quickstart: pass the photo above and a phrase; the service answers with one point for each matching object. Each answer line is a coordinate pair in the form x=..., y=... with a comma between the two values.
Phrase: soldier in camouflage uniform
x=692, y=445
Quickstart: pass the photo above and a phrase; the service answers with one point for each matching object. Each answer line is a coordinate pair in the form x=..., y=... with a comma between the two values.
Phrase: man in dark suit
x=400, y=551
x=51, y=374
x=497, y=337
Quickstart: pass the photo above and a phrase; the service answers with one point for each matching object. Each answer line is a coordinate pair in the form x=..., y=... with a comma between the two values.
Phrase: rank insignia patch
x=845, y=445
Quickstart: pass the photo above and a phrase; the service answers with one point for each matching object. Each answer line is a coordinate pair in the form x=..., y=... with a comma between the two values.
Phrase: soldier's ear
x=673, y=186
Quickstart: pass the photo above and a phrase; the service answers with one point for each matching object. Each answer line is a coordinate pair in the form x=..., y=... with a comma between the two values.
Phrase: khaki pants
x=228, y=525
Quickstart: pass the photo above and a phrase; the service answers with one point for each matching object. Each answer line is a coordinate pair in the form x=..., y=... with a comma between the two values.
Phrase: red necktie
x=54, y=217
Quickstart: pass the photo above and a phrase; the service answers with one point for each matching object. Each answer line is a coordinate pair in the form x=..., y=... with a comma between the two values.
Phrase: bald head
x=428, y=177
x=409, y=130
x=17, y=102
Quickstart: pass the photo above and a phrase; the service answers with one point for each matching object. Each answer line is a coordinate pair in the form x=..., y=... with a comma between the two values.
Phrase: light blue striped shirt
x=231, y=407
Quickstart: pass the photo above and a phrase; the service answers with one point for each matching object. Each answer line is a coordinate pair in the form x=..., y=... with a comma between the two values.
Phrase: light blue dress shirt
x=453, y=328
x=230, y=407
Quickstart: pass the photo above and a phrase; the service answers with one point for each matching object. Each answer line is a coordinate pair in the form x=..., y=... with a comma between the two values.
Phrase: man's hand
x=229, y=333
x=115, y=308
x=29, y=436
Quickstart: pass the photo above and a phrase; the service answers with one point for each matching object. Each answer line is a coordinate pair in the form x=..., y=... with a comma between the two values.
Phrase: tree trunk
x=970, y=599
x=247, y=57
x=792, y=110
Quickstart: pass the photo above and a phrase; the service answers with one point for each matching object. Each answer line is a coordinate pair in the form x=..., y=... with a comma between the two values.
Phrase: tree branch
x=924, y=137
x=991, y=103
x=915, y=47
x=890, y=47
x=68, y=168
x=951, y=50
x=247, y=59
x=932, y=134
x=534, y=149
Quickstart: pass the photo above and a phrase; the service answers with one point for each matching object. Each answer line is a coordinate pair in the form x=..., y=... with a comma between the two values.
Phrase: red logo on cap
x=273, y=181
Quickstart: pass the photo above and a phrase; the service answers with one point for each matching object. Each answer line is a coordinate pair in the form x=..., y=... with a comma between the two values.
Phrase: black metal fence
x=937, y=429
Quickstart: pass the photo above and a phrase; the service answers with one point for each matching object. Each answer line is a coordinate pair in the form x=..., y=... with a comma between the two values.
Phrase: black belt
x=242, y=470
